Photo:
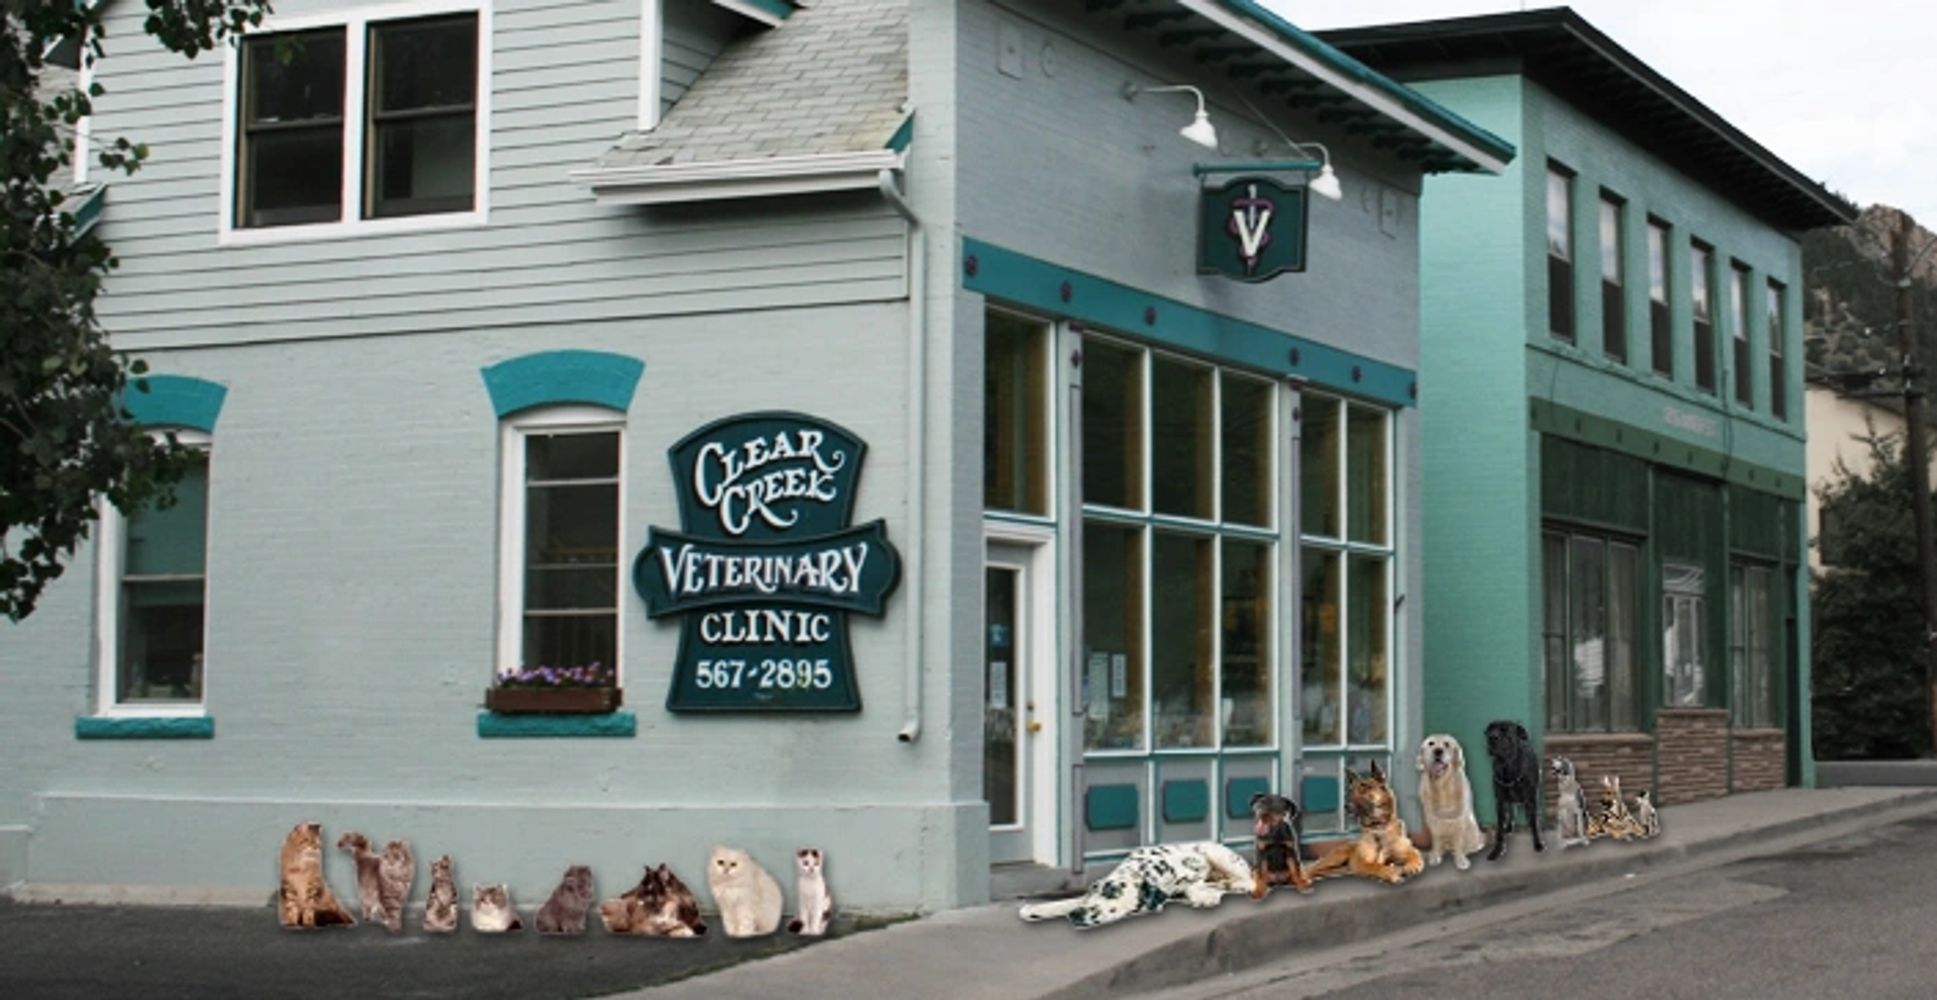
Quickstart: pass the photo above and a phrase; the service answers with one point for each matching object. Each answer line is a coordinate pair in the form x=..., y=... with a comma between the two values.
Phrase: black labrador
x=1516, y=778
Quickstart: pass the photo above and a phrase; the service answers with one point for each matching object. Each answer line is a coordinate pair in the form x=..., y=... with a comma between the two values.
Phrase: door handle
x=1035, y=727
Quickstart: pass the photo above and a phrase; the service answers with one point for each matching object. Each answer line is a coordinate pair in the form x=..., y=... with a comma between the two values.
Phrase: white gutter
x=1371, y=97
x=917, y=454
x=670, y=183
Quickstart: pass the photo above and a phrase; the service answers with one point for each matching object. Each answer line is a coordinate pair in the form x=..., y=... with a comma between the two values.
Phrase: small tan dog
x=1446, y=801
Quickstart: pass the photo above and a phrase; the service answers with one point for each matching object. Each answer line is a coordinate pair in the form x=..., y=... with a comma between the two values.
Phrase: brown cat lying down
x=306, y=900
x=659, y=906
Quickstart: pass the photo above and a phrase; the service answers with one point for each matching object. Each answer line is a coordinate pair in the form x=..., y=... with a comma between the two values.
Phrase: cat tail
x=1033, y=912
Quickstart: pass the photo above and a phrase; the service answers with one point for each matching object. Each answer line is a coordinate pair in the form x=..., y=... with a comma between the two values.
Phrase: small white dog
x=1446, y=801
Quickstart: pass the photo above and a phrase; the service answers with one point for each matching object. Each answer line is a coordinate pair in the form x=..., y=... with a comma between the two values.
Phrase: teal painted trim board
x=1110, y=807
x=98, y=727
x=779, y=9
x=174, y=401
x=1060, y=291
x=88, y=212
x=1238, y=792
x=904, y=135
x=1587, y=428
x=550, y=378
x=1319, y=794
x=1413, y=100
x=1186, y=800
x=492, y=725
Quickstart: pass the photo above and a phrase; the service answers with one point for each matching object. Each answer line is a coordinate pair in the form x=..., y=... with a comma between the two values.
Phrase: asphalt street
x=1852, y=917
x=98, y=952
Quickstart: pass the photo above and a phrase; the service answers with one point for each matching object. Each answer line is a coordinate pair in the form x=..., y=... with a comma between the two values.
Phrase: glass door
x=1015, y=744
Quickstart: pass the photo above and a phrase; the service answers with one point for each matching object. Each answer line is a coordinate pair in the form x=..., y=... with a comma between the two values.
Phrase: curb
x=1243, y=942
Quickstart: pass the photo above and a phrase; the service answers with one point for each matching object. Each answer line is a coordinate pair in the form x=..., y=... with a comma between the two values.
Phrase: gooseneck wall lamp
x=1200, y=130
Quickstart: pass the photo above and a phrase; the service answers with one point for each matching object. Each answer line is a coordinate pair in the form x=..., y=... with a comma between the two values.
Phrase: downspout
x=917, y=454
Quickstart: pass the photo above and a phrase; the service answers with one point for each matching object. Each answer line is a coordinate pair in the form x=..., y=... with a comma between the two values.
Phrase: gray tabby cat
x=440, y=908
x=369, y=873
x=564, y=912
x=1571, y=805
x=492, y=911
x=398, y=869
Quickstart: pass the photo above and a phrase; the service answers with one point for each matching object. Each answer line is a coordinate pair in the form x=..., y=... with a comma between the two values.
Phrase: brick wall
x=1628, y=756
x=1761, y=760
x=1692, y=755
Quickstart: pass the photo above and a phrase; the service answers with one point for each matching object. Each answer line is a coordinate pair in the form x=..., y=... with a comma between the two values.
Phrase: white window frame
x=110, y=558
x=511, y=523
x=355, y=24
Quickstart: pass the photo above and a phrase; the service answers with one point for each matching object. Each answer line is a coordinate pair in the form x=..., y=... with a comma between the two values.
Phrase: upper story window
x=153, y=597
x=354, y=123
x=1739, y=318
x=1700, y=278
x=1778, y=370
x=1560, y=251
x=1661, y=339
x=1614, y=312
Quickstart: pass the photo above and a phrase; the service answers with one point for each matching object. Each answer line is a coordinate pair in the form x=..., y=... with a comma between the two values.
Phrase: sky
x=1844, y=90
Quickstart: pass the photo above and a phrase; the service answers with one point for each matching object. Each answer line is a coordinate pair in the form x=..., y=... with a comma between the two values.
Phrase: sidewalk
x=987, y=952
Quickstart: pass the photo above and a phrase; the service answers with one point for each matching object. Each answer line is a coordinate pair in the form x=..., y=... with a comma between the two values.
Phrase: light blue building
x=1612, y=344
x=1066, y=546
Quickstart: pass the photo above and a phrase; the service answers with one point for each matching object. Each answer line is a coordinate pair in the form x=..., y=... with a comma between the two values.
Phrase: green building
x=1614, y=465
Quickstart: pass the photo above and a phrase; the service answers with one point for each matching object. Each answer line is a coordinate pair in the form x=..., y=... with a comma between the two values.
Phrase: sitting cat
x=397, y=871
x=1570, y=805
x=369, y=873
x=748, y=897
x=816, y=903
x=1612, y=818
x=440, y=907
x=564, y=912
x=492, y=911
x=1645, y=814
x=305, y=899
x=659, y=906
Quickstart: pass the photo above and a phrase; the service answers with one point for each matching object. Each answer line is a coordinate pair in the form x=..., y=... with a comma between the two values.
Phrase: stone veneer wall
x=1761, y=760
x=1628, y=756
x=1692, y=757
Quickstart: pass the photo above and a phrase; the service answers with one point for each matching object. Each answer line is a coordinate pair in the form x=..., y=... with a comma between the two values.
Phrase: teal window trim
x=551, y=378
x=1054, y=290
x=1187, y=800
x=903, y=134
x=1661, y=449
x=174, y=401
x=493, y=725
x=1111, y=807
x=767, y=12
x=1238, y=792
x=151, y=727
x=1319, y=793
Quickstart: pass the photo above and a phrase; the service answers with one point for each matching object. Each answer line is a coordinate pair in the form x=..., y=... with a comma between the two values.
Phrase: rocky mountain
x=1849, y=300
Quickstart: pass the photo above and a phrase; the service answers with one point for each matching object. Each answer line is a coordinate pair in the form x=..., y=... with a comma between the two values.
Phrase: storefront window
x=1751, y=645
x=1588, y=631
x=1681, y=635
x=1193, y=570
x=1346, y=604
x=1015, y=407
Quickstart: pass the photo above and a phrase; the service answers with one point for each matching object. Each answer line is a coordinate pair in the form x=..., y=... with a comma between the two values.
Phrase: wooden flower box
x=552, y=701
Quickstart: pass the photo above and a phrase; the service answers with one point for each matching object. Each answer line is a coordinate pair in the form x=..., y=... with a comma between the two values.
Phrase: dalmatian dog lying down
x=1199, y=874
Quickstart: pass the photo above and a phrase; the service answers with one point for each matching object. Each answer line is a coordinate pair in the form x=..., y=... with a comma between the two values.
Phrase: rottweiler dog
x=1278, y=862
x=1516, y=779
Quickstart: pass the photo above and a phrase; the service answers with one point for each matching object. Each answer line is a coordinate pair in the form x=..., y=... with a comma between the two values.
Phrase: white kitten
x=816, y=903
x=492, y=911
x=748, y=897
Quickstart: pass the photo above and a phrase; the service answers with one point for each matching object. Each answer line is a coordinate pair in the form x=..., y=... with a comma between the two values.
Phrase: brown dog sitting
x=1278, y=861
x=1383, y=850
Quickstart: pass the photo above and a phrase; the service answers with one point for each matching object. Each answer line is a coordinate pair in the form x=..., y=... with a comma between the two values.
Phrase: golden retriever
x=1446, y=801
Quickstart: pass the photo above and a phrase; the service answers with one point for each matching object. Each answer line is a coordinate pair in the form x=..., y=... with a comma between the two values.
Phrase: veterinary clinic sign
x=765, y=569
x=1251, y=229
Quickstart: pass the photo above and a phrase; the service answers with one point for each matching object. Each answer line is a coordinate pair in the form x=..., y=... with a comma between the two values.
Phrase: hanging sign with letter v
x=766, y=569
x=1251, y=229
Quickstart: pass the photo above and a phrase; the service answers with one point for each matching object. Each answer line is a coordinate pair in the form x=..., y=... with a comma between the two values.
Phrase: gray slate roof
x=832, y=78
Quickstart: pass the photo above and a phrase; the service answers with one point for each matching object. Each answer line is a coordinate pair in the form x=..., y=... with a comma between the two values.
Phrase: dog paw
x=1461, y=863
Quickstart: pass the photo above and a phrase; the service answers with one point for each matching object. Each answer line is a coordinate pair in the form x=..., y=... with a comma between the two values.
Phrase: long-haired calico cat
x=369, y=873
x=564, y=912
x=305, y=899
x=440, y=907
x=816, y=903
x=1612, y=818
x=748, y=897
x=659, y=906
x=492, y=911
x=396, y=872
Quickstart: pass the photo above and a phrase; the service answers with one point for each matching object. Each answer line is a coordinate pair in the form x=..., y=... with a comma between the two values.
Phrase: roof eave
x=674, y=183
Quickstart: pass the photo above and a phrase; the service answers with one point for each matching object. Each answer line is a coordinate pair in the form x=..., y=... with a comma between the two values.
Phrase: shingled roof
x=833, y=80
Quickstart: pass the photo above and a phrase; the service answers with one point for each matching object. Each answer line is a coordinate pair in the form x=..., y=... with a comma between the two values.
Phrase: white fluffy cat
x=748, y=897
x=492, y=911
x=816, y=903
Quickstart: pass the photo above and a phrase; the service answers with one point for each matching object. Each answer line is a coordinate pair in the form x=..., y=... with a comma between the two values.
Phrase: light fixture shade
x=1326, y=184
x=1200, y=131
